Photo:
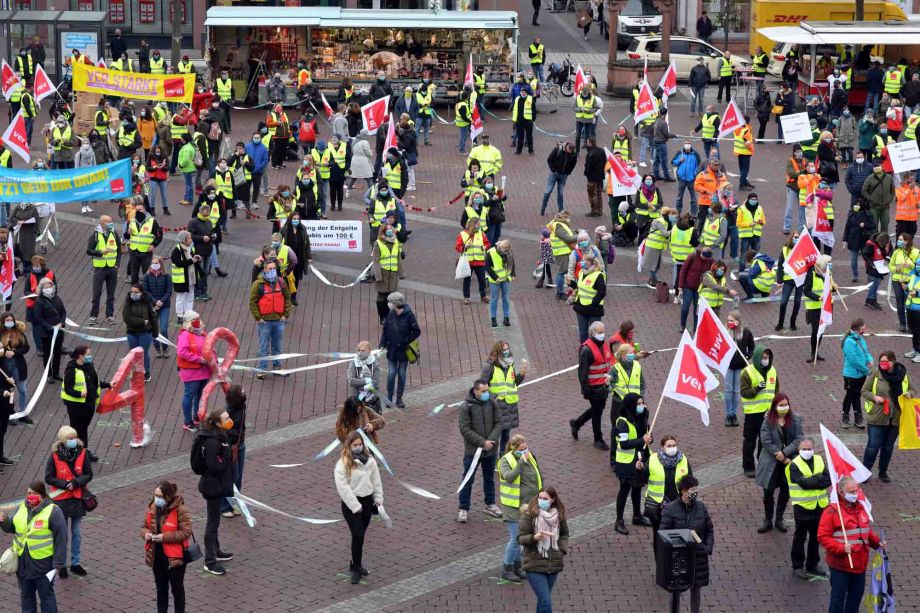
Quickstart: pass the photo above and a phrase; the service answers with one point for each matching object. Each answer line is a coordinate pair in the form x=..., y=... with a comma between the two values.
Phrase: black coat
x=561, y=162
x=92, y=385
x=47, y=313
x=217, y=480
x=595, y=160
x=678, y=516
x=398, y=332
x=199, y=229
x=299, y=242
x=854, y=235
x=629, y=472
x=19, y=356
x=139, y=315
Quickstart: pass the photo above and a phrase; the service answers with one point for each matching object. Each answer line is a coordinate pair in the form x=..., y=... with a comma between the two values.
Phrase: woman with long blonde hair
x=357, y=480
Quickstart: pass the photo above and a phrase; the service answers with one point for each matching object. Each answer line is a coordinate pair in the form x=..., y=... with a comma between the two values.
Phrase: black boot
x=508, y=574
x=620, y=527
x=220, y=273
x=494, y=323
x=355, y=572
x=506, y=322
x=519, y=571
x=766, y=526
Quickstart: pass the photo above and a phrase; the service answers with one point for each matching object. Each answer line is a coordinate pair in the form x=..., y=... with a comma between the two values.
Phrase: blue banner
x=110, y=181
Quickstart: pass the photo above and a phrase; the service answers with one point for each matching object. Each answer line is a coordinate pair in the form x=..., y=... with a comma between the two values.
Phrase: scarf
x=648, y=192
x=669, y=462
x=548, y=522
x=364, y=366
x=894, y=378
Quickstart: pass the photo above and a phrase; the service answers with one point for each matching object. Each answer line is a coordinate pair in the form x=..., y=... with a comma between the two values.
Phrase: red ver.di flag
x=391, y=135
x=475, y=123
x=842, y=463
x=713, y=340
x=326, y=106
x=9, y=80
x=15, y=137
x=668, y=82
x=7, y=268
x=823, y=231
x=42, y=86
x=732, y=119
x=802, y=257
x=625, y=174
x=690, y=381
x=580, y=79
x=373, y=113
x=645, y=103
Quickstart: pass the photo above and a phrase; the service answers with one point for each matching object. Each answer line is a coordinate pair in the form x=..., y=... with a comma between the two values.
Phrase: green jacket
x=533, y=559
x=256, y=293
x=186, y=162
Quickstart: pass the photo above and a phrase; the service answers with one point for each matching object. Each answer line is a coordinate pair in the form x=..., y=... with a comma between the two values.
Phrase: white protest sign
x=904, y=156
x=343, y=236
x=796, y=128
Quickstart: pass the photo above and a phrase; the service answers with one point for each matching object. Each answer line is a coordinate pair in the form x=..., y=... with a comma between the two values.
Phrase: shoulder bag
x=191, y=551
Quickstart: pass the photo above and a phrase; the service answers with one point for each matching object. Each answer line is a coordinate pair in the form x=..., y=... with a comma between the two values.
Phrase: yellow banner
x=172, y=88
x=909, y=433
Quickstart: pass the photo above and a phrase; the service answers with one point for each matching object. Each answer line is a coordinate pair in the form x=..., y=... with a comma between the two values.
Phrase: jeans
x=165, y=578
x=538, y=70
x=589, y=130
x=744, y=167
x=191, y=395
x=854, y=263
x=542, y=586
x=881, y=438
x=504, y=289
x=21, y=389
x=792, y=201
x=872, y=99
x=788, y=289
x=846, y=590
x=189, y=178
x=28, y=122
x=322, y=193
x=556, y=180
x=163, y=319
x=512, y=549
x=584, y=322
x=644, y=145
x=237, y=476
x=732, y=391
x=487, y=465
x=158, y=186
x=396, y=369
x=494, y=233
x=464, y=137
x=76, y=539
x=696, y=101
x=211, y=528
x=732, y=242
x=900, y=295
x=143, y=341
x=872, y=294
x=661, y=161
x=688, y=297
x=270, y=332
x=423, y=128
x=45, y=589
x=709, y=146
x=751, y=242
x=688, y=186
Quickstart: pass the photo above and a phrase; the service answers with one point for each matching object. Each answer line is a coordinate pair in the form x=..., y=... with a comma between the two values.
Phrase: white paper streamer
x=244, y=508
x=323, y=278
x=370, y=445
x=417, y=490
x=383, y=515
x=261, y=505
x=473, y=465
x=41, y=384
x=98, y=339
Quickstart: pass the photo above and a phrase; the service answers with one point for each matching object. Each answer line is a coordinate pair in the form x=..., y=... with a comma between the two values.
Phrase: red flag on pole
x=645, y=103
x=802, y=257
x=42, y=86
x=9, y=80
x=842, y=463
x=391, y=134
x=668, y=82
x=468, y=79
x=101, y=63
x=15, y=137
x=326, y=106
x=7, y=269
x=580, y=79
x=713, y=340
x=689, y=381
x=823, y=230
x=827, y=307
x=732, y=119
x=640, y=256
x=475, y=123
x=373, y=113
x=625, y=174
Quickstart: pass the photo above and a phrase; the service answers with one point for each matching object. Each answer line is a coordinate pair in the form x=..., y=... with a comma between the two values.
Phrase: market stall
x=256, y=42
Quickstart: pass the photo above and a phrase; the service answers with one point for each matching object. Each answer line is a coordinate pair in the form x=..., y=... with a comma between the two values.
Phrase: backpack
x=214, y=132
x=196, y=458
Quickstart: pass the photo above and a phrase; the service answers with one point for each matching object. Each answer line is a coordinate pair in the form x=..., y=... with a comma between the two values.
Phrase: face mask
x=798, y=155
x=227, y=425
x=900, y=243
x=285, y=194
x=543, y=504
x=489, y=185
x=485, y=396
x=110, y=226
x=48, y=291
x=782, y=410
x=691, y=497
x=807, y=454
x=851, y=498
x=584, y=244
x=9, y=324
x=810, y=169
x=506, y=353
x=477, y=202
x=732, y=325
x=295, y=222
x=159, y=501
x=672, y=218
x=720, y=273
x=276, y=245
x=256, y=139
x=357, y=450
x=765, y=362
x=754, y=201
x=599, y=337
x=71, y=443
x=649, y=182
x=860, y=160
x=270, y=275
x=886, y=366
x=389, y=234
x=384, y=192
x=706, y=254
x=640, y=409
x=381, y=79
x=155, y=267
x=135, y=296
x=212, y=197
x=670, y=451
x=686, y=147
x=883, y=132
x=846, y=113
x=33, y=500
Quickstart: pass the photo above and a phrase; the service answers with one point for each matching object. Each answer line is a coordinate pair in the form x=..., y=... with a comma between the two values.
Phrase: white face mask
x=807, y=454
x=765, y=362
x=670, y=451
x=154, y=266
x=48, y=291
x=851, y=498
x=599, y=337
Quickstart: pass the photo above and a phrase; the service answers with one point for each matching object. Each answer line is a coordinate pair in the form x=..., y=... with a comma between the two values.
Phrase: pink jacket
x=186, y=351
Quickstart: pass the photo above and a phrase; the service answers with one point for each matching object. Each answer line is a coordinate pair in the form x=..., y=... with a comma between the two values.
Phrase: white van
x=638, y=17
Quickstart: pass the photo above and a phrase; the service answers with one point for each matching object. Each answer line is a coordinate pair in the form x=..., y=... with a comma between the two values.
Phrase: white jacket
x=365, y=480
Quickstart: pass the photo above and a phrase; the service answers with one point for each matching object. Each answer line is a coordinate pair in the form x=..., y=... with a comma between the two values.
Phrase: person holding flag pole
x=881, y=393
x=818, y=303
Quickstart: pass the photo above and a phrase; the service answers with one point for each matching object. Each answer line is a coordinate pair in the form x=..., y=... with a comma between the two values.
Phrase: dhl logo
x=788, y=18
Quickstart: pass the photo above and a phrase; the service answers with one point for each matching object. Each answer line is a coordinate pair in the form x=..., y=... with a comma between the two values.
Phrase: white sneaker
x=492, y=510
x=89, y=210
x=911, y=354
x=916, y=359
x=642, y=165
x=462, y=516
x=411, y=188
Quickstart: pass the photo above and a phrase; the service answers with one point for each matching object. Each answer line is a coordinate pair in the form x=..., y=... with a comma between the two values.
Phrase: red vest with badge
x=272, y=300
x=62, y=471
x=600, y=366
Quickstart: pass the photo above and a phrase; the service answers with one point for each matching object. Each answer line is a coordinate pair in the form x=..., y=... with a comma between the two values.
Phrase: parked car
x=684, y=52
x=638, y=18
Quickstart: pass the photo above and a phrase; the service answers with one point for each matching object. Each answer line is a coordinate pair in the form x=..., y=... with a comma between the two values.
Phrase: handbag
x=89, y=500
x=463, y=268
x=413, y=352
x=9, y=562
x=778, y=109
x=584, y=18
x=192, y=551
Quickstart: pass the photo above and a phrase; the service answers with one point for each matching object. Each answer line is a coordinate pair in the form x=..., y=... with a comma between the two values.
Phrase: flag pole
x=846, y=541
x=655, y=417
x=836, y=289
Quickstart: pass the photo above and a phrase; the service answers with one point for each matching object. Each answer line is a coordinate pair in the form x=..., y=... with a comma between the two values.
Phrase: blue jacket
x=687, y=165
x=398, y=332
x=516, y=91
x=159, y=287
x=856, y=356
x=258, y=154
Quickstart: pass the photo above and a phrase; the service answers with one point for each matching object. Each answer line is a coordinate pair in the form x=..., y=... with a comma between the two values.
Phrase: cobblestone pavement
x=428, y=562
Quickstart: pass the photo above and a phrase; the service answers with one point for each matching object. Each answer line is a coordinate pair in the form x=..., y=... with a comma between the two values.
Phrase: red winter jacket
x=860, y=536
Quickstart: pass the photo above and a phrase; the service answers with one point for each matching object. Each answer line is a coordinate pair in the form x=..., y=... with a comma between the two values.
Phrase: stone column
x=666, y=8
x=613, y=17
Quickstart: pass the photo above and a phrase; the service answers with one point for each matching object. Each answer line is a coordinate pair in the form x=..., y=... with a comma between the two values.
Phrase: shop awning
x=334, y=17
x=846, y=33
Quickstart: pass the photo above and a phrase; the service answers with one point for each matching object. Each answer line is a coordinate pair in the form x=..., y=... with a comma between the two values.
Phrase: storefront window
x=736, y=14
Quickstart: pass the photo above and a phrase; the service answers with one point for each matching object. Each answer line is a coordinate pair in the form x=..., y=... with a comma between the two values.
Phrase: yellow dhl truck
x=771, y=13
